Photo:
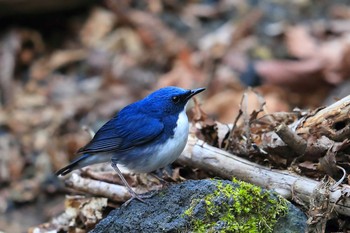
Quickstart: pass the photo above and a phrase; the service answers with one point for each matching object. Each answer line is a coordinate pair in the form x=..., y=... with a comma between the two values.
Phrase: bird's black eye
x=175, y=99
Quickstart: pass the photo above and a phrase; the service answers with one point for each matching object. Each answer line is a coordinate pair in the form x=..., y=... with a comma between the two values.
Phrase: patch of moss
x=244, y=208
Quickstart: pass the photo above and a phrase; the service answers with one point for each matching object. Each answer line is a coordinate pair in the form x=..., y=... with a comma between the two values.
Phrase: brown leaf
x=299, y=42
x=183, y=74
x=44, y=66
x=81, y=214
x=98, y=25
x=224, y=105
x=328, y=163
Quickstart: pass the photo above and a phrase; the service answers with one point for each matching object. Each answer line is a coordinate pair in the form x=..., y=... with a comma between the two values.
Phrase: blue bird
x=144, y=136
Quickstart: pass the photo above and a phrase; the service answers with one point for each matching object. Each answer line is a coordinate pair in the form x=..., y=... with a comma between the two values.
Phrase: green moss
x=189, y=211
x=244, y=208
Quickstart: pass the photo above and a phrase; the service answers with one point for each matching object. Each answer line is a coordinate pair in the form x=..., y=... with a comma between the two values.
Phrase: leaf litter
x=53, y=82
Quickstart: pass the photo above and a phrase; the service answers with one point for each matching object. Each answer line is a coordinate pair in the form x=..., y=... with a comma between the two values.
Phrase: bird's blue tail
x=83, y=161
x=76, y=164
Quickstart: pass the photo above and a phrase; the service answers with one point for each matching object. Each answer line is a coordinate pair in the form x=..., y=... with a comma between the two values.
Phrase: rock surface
x=165, y=212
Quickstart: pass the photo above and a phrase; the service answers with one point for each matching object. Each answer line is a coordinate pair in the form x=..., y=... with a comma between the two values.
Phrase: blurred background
x=73, y=63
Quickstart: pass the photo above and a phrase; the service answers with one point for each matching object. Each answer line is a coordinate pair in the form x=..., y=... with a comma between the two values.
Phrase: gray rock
x=166, y=211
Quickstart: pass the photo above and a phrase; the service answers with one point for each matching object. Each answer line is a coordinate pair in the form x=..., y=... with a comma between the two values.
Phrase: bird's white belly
x=169, y=151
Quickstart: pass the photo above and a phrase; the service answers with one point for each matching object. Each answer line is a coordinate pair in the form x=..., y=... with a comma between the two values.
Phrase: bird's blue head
x=168, y=100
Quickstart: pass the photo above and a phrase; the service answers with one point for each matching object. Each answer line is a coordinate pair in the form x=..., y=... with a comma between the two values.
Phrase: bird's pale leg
x=131, y=191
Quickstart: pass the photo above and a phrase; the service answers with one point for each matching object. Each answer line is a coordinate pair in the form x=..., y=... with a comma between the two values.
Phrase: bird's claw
x=140, y=198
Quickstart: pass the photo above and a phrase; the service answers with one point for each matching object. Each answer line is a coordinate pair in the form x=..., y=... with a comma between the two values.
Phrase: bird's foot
x=140, y=197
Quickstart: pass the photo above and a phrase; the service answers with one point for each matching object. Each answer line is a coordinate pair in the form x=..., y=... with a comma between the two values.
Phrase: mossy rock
x=237, y=207
x=207, y=206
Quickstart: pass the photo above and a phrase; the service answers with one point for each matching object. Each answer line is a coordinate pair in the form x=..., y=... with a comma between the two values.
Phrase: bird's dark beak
x=194, y=92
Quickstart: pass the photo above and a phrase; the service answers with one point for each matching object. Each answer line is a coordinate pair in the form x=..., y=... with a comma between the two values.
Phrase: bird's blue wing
x=124, y=132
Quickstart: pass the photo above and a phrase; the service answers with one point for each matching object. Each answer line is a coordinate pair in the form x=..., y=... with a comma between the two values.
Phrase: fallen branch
x=288, y=184
x=331, y=121
x=114, y=192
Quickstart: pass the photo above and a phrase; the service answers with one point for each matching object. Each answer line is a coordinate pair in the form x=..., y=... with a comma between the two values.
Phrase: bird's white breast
x=169, y=151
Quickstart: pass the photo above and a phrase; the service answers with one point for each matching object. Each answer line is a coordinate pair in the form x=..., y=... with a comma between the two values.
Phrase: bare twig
x=246, y=120
x=296, y=143
x=334, y=186
x=228, y=145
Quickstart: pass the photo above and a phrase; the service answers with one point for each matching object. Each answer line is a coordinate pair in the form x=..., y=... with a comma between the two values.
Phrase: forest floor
x=64, y=70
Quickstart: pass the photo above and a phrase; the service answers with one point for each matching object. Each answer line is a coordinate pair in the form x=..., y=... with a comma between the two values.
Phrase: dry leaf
x=300, y=43
x=98, y=25
x=81, y=215
x=43, y=67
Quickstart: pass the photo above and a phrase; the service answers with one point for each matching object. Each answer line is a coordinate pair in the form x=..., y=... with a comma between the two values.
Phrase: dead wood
x=332, y=122
x=295, y=142
x=114, y=192
x=104, y=186
x=311, y=136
